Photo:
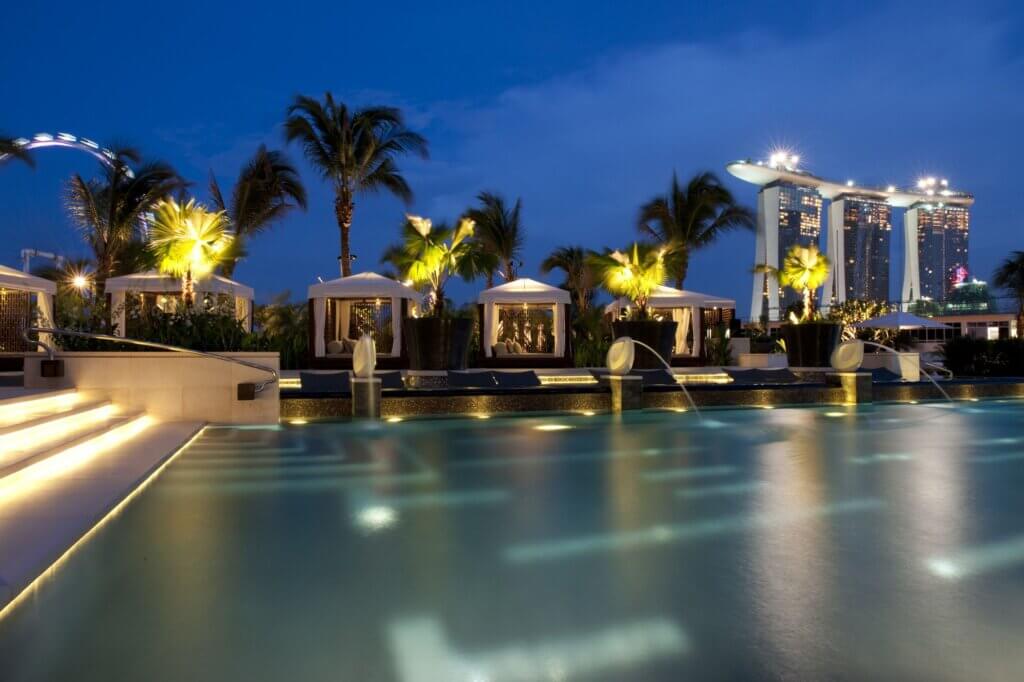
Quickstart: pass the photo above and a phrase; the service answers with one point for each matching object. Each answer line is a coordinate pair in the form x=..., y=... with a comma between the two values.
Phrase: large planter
x=436, y=343
x=810, y=344
x=658, y=334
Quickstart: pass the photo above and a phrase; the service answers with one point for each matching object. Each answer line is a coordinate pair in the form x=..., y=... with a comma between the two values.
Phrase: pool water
x=880, y=542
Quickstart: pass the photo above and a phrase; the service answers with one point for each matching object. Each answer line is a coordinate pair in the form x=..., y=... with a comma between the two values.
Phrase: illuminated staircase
x=66, y=461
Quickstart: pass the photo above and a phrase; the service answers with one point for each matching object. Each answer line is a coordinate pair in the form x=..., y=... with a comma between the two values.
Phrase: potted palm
x=809, y=339
x=634, y=275
x=429, y=256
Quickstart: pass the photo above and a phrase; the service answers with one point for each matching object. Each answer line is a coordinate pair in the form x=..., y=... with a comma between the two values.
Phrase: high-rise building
x=936, y=226
x=936, y=235
x=859, y=230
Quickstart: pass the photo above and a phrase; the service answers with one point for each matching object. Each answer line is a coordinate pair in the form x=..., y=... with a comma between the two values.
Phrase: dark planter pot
x=435, y=343
x=810, y=344
x=658, y=334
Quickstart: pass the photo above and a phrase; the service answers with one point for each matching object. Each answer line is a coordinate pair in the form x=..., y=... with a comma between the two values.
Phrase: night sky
x=583, y=109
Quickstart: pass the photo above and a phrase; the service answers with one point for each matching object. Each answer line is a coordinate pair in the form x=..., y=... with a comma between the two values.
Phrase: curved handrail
x=51, y=352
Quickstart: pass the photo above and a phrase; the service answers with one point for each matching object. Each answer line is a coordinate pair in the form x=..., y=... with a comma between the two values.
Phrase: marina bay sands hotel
x=789, y=207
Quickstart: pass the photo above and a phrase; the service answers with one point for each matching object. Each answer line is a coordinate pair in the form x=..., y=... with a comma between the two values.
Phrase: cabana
x=696, y=314
x=343, y=309
x=526, y=323
x=157, y=290
x=17, y=291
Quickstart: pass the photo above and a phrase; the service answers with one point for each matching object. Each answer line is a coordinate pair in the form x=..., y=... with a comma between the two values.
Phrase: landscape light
x=79, y=281
x=849, y=183
x=890, y=188
x=393, y=420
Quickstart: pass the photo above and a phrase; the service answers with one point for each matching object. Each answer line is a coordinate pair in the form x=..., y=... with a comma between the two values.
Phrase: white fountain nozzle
x=620, y=356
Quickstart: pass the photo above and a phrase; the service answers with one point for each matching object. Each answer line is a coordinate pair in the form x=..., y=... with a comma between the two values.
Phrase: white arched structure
x=683, y=307
x=334, y=303
x=22, y=283
x=543, y=301
x=167, y=288
x=69, y=141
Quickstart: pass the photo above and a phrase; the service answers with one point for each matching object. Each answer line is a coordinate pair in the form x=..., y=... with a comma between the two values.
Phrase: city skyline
x=857, y=234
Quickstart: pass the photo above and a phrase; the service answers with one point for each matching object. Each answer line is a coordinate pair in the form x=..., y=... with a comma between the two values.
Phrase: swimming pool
x=878, y=542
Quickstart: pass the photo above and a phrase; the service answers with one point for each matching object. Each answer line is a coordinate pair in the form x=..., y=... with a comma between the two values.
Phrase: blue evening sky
x=583, y=109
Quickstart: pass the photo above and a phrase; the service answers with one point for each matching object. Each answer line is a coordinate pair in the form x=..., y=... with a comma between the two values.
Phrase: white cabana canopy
x=154, y=282
x=900, y=320
x=685, y=307
x=365, y=285
x=517, y=292
x=43, y=289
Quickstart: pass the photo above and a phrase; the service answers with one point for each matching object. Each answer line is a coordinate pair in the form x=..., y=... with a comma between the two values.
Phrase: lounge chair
x=459, y=379
x=527, y=379
x=756, y=377
x=651, y=377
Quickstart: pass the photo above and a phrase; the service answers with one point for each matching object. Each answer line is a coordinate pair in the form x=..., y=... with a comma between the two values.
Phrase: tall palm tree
x=634, y=274
x=355, y=151
x=10, y=148
x=1010, y=275
x=691, y=218
x=268, y=188
x=500, y=231
x=110, y=211
x=579, y=276
x=190, y=241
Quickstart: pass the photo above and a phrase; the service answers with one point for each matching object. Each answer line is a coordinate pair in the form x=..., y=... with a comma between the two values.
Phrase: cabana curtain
x=346, y=290
x=519, y=292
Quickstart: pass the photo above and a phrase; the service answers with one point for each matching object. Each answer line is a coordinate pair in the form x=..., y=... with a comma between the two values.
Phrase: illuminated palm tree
x=804, y=269
x=267, y=189
x=500, y=232
x=111, y=211
x=189, y=241
x=1010, y=275
x=634, y=274
x=355, y=151
x=10, y=148
x=691, y=218
x=579, y=276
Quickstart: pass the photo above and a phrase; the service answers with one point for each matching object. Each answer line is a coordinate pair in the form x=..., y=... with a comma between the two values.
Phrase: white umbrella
x=900, y=320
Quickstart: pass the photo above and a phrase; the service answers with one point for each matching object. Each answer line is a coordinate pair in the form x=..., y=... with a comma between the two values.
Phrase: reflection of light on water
x=422, y=653
x=687, y=473
x=993, y=459
x=552, y=427
x=882, y=457
x=680, y=532
x=373, y=519
x=971, y=561
x=719, y=490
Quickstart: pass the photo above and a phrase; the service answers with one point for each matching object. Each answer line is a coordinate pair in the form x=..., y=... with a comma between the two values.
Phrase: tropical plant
x=355, y=151
x=110, y=212
x=9, y=147
x=284, y=327
x=690, y=218
x=267, y=188
x=804, y=269
x=852, y=311
x=190, y=241
x=718, y=349
x=500, y=232
x=579, y=276
x=634, y=274
x=428, y=256
x=592, y=335
x=1010, y=275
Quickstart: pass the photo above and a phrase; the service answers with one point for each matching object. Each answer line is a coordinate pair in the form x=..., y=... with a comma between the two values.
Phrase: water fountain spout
x=930, y=377
x=668, y=367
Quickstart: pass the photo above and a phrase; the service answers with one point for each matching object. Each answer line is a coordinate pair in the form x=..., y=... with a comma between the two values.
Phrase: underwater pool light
x=298, y=422
x=552, y=427
x=393, y=420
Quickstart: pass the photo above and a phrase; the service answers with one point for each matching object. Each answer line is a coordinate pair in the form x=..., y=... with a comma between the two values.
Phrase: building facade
x=859, y=234
x=788, y=214
x=936, y=243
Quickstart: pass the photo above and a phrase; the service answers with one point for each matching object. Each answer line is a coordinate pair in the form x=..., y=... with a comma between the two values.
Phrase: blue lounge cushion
x=527, y=379
x=390, y=380
x=460, y=379
x=751, y=377
x=325, y=382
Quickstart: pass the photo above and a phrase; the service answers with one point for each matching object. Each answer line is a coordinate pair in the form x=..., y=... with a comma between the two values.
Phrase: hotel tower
x=859, y=231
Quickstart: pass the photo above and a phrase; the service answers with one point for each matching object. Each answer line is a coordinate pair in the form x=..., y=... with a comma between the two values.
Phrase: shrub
x=968, y=356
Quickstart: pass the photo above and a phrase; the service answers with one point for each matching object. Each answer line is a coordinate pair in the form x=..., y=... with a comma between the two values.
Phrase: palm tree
x=579, y=276
x=500, y=231
x=111, y=211
x=190, y=241
x=10, y=148
x=633, y=275
x=691, y=218
x=1010, y=275
x=355, y=151
x=268, y=188
x=804, y=269
x=429, y=255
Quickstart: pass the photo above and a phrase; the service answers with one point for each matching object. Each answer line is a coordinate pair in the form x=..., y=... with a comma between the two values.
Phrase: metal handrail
x=939, y=368
x=51, y=352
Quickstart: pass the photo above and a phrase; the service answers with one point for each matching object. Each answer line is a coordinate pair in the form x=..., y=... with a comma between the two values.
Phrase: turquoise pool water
x=882, y=543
